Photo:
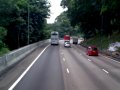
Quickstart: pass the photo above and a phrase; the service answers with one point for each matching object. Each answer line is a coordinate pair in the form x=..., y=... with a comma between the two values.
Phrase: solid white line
x=64, y=59
x=80, y=54
x=113, y=60
x=68, y=71
x=23, y=74
x=110, y=59
x=89, y=60
x=61, y=53
x=105, y=71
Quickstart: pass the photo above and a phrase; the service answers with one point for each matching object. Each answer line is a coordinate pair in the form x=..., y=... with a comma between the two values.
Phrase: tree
x=2, y=37
x=62, y=25
x=14, y=17
x=94, y=16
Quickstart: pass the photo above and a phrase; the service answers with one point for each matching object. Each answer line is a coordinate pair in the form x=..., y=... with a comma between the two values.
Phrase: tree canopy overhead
x=94, y=16
x=62, y=25
x=14, y=17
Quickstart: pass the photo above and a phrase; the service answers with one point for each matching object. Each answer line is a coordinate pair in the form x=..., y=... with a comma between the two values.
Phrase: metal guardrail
x=14, y=56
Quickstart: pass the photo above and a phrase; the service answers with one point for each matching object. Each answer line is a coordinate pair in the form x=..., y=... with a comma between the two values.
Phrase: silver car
x=67, y=44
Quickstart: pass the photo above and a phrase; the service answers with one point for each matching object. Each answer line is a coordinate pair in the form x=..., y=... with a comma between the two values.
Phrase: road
x=60, y=68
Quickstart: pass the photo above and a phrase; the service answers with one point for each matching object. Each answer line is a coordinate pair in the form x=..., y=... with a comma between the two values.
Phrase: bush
x=102, y=42
x=3, y=33
x=3, y=51
x=3, y=46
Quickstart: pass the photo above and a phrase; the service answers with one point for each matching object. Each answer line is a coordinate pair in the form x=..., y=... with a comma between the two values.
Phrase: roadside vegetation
x=96, y=20
x=16, y=16
x=102, y=42
x=3, y=47
x=93, y=17
x=4, y=50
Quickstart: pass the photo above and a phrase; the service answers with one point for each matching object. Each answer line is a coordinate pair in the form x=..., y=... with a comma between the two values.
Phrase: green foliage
x=2, y=37
x=62, y=25
x=94, y=16
x=3, y=51
x=102, y=42
x=14, y=17
x=48, y=29
x=3, y=33
x=3, y=47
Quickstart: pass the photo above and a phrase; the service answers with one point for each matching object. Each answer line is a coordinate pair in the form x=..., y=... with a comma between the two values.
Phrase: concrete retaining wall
x=13, y=57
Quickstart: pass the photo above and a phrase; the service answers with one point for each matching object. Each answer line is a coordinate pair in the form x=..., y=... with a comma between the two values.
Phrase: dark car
x=92, y=51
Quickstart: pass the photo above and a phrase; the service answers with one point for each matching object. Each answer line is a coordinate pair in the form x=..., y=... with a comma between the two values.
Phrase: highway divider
x=8, y=60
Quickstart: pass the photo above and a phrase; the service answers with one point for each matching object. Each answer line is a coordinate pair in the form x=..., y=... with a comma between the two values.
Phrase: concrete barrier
x=10, y=59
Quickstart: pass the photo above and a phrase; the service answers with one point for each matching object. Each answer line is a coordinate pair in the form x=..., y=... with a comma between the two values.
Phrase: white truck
x=75, y=40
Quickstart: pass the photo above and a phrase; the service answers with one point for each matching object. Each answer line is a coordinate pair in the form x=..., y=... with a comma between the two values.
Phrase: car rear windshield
x=67, y=42
x=94, y=49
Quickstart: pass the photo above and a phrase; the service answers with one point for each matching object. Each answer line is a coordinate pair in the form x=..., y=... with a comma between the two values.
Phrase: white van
x=54, y=38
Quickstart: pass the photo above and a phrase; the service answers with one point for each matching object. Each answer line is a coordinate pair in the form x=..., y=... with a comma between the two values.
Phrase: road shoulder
x=9, y=77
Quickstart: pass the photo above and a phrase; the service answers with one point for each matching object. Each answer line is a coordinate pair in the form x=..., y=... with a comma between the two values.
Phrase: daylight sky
x=56, y=9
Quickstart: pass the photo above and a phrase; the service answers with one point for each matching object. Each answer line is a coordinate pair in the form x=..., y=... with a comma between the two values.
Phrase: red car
x=92, y=51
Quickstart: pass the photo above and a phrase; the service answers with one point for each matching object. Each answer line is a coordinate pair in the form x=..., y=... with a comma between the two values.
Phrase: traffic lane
x=105, y=59
x=102, y=60
x=112, y=70
x=8, y=78
x=45, y=74
x=68, y=81
x=106, y=64
x=86, y=75
x=76, y=78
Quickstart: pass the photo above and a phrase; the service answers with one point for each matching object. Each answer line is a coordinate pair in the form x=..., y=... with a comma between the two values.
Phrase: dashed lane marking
x=61, y=53
x=80, y=54
x=89, y=60
x=68, y=71
x=64, y=59
x=105, y=71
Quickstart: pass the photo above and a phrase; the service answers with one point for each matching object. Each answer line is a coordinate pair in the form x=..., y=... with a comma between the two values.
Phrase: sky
x=56, y=9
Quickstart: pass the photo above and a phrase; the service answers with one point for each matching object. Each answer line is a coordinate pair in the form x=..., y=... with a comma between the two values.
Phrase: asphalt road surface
x=60, y=68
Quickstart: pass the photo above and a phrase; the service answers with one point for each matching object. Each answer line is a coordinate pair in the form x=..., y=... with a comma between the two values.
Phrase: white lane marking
x=105, y=71
x=113, y=60
x=89, y=60
x=110, y=59
x=61, y=53
x=68, y=71
x=23, y=74
x=64, y=59
x=80, y=54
